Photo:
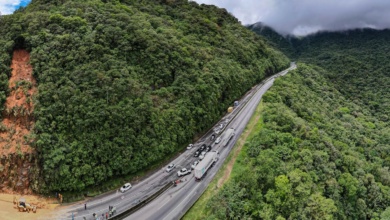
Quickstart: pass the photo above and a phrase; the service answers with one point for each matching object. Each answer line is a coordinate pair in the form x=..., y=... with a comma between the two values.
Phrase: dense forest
x=122, y=84
x=322, y=150
x=317, y=155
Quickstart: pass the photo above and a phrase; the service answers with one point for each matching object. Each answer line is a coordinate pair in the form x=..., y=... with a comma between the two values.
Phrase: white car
x=193, y=165
x=125, y=187
x=183, y=172
x=202, y=155
x=190, y=147
x=170, y=167
x=218, y=140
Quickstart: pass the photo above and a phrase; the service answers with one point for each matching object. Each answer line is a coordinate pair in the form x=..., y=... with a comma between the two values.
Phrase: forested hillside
x=356, y=62
x=322, y=150
x=283, y=43
x=317, y=155
x=122, y=84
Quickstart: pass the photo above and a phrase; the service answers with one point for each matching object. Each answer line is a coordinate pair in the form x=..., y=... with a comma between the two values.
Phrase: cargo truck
x=207, y=162
x=227, y=136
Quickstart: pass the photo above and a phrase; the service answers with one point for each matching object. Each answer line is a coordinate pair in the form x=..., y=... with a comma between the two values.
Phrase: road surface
x=176, y=201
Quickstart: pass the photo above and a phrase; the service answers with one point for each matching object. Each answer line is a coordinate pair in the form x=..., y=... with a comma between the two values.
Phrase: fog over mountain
x=302, y=17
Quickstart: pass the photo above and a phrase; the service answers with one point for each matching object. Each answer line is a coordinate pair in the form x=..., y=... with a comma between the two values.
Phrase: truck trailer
x=207, y=162
x=227, y=136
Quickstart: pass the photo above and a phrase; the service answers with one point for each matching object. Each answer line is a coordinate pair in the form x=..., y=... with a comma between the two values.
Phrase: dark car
x=208, y=149
x=197, y=153
x=202, y=148
x=212, y=137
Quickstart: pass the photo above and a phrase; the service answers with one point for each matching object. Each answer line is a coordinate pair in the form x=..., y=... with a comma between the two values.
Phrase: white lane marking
x=184, y=200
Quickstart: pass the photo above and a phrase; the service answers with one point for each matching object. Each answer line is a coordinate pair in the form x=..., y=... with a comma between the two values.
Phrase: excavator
x=23, y=206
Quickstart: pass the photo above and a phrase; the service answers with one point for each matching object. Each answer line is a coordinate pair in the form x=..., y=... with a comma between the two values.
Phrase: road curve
x=176, y=201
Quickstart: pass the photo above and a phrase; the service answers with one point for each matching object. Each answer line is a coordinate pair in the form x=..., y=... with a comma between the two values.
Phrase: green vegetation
x=273, y=38
x=122, y=84
x=317, y=156
x=199, y=210
x=323, y=151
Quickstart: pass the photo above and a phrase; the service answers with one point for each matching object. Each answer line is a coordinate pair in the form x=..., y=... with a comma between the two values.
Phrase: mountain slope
x=317, y=155
x=322, y=147
x=123, y=84
x=283, y=43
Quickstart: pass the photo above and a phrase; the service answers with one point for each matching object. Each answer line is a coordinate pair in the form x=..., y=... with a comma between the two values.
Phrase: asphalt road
x=176, y=201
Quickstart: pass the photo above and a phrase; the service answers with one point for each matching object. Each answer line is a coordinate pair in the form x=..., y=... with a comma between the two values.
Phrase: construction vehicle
x=25, y=207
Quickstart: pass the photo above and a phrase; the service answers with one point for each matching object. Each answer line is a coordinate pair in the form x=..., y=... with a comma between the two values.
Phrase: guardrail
x=135, y=208
x=181, y=214
x=141, y=204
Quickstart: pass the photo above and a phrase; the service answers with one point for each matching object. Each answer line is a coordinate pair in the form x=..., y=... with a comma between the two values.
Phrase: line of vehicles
x=206, y=160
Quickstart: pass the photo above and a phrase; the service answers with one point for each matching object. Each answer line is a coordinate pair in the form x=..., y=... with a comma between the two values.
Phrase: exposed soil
x=17, y=115
x=45, y=208
x=17, y=157
x=241, y=143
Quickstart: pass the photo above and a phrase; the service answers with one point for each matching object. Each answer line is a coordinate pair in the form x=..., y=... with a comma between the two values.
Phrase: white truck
x=205, y=164
x=227, y=136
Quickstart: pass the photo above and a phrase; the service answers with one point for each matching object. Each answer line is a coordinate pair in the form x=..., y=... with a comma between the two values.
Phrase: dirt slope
x=17, y=156
x=17, y=116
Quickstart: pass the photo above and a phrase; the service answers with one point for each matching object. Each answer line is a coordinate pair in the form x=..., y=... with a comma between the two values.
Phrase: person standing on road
x=85, y=206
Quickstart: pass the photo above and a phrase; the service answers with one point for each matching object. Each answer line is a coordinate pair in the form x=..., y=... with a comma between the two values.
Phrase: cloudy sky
x=9, y=6
x=301, y=17
x=298, y=17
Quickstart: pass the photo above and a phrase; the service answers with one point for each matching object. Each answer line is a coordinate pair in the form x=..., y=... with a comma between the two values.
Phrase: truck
x=205, y=164
x=227, y=136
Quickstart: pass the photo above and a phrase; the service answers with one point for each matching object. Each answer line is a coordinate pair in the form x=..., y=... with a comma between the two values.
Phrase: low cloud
x=302, y=17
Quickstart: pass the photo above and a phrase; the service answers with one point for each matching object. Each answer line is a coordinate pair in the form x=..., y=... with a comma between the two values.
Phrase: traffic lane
x=239, y=123
x=171, y=204
x=173, y=207
x=178, y=209
x=135, y=193
x=159, y=206
x=123, y=201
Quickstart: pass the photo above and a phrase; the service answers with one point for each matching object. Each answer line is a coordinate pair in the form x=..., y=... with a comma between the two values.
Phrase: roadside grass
x=234, y=164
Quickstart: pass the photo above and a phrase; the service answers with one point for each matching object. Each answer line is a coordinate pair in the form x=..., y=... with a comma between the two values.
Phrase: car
x=221, y=126
x=208, y=148
x=201, y=156
x=193, y=165
x=218, y=140
x=212, y=137
x=197, y=153
x=190, y=147
x=202, y=147
x=183, y=172
x=170, y=167
x=125, y=187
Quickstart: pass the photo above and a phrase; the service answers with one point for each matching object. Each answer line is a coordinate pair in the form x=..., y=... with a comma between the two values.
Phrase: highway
x=176, y=201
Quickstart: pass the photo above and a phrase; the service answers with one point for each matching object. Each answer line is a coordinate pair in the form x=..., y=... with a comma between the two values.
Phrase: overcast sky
x=301, y=17
x=297, y=17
